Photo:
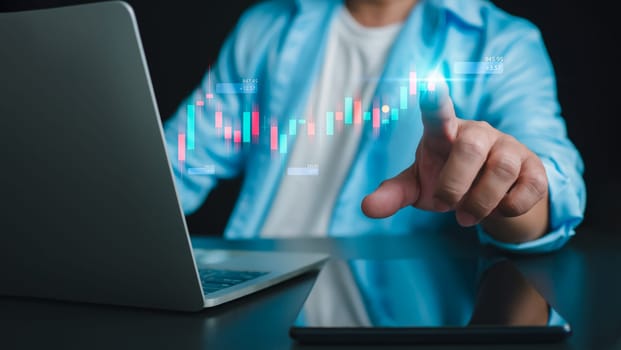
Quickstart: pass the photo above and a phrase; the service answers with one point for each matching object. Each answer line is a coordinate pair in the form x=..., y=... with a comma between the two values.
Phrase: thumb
x=437, y=111
x=393, y=194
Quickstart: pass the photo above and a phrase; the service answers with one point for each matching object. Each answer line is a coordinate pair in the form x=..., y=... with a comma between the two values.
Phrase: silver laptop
x=88, y=207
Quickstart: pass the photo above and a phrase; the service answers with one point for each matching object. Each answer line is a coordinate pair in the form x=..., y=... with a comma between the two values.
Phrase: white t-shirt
x=354, y=60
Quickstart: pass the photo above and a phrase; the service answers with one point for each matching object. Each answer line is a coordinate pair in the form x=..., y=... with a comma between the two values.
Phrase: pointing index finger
x=437, y=111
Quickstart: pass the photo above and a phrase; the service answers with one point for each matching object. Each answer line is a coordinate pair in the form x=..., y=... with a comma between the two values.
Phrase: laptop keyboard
x=214, y=280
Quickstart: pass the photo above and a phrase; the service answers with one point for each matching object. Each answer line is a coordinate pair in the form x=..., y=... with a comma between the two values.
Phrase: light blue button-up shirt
x=281, y=43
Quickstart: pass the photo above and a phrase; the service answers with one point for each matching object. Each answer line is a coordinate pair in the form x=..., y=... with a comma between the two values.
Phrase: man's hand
x=486, y=176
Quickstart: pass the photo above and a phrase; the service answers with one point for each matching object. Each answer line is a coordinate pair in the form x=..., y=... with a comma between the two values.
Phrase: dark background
x=183, y=37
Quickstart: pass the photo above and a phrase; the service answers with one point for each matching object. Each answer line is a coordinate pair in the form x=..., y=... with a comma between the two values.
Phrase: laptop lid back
x=88, y=209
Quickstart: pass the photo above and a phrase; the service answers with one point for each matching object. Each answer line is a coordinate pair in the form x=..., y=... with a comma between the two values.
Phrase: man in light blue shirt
x=465, y=103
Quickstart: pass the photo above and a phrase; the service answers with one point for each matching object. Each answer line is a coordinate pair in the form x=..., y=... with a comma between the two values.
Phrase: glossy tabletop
x=582, y=281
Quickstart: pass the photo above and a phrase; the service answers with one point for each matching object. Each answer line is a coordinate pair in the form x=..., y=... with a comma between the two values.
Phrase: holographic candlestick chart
x=349, y=113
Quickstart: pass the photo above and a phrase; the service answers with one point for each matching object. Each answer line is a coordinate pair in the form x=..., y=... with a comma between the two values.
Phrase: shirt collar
x=467, y=11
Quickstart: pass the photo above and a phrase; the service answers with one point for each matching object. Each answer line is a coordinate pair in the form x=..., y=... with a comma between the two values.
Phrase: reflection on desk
x=581, y=281
x=478, y=294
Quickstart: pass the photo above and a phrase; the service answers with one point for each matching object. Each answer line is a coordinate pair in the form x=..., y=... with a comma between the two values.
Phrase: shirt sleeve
x=203, y=126
x=193, y=141
x=522, y=102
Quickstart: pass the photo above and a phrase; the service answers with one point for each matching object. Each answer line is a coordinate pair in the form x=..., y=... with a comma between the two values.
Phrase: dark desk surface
x=582, y=281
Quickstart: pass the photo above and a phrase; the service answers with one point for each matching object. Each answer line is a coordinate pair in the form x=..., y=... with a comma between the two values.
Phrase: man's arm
x=523, y=132
x=240, y=58
x=197, y=142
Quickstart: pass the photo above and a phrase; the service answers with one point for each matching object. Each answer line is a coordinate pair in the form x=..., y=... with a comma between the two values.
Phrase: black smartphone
x=414, y=301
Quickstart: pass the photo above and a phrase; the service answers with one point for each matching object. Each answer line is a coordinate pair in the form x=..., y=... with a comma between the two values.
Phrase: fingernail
x=434, y=95
x=466, y=219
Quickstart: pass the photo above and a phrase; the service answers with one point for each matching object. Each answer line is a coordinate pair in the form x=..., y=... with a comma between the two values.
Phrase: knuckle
x=504, y=166
x=472, y=147
x=479, y=206
x=484, y=125
x=513, y=207
x=449, y=193
x=537, y=184
x=510, y=140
